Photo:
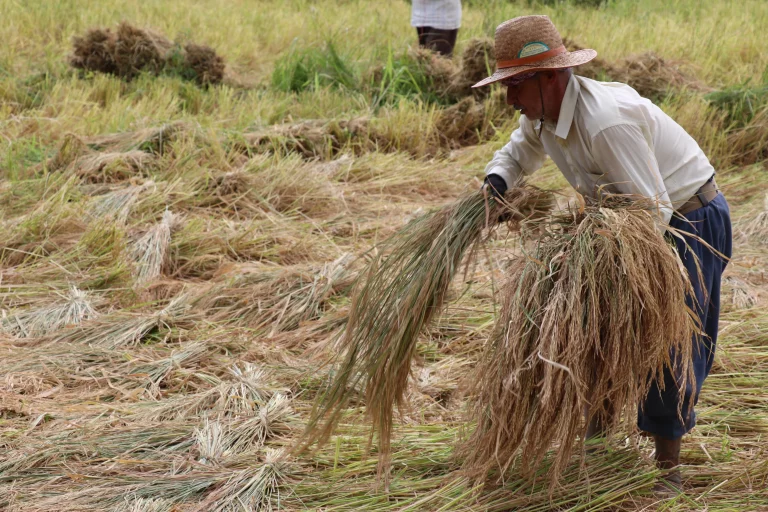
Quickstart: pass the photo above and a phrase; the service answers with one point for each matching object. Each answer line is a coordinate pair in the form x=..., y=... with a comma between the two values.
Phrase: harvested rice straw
x=211, y=442
x=757, y=228
x=741, y=294
x=144, y=505
x=276, y=298
x=151, y=250
x=401, y=291
x=245, y=395
x=124, y=328
x=250, y=489
x=118, y=204
x=587, y=317
x=72, y=310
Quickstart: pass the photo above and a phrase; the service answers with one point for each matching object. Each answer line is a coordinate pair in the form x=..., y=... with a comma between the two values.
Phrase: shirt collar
x=567, y=108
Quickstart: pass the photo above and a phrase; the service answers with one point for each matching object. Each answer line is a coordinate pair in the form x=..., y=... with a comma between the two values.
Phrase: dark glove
x=496, y=185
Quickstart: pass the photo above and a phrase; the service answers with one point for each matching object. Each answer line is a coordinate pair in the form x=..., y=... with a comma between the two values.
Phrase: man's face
x=523, y=94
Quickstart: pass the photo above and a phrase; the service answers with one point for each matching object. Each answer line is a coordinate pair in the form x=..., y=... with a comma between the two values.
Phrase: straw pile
x=402, y=289
x=586, y=318
x=649, y=74
x=478, y=61
x=131, y=50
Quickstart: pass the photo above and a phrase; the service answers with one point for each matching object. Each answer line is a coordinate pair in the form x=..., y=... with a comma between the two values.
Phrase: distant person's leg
x=422, y=32
x=439, y=40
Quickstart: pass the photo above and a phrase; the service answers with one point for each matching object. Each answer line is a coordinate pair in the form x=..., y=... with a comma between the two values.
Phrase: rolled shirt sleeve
x=523, y=154
x=625, y=156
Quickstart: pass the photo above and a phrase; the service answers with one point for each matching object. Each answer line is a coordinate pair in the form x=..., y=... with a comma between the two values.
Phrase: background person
x=437, y=23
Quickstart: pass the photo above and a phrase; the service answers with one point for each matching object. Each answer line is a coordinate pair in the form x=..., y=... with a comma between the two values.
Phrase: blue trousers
x=712, y=223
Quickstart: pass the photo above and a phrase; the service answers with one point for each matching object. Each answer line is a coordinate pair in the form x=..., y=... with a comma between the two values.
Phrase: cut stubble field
x=178, y=256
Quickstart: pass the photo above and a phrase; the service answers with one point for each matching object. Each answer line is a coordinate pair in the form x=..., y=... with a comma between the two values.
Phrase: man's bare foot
x=667, y=458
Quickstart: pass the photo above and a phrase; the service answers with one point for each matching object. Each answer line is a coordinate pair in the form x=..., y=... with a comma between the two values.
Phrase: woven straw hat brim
x=564, y=60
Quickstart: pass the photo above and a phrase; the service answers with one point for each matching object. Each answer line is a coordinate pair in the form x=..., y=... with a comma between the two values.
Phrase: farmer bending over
x=605, y=136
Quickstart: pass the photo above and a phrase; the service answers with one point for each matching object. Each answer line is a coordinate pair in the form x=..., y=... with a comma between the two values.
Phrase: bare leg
x=668, y=458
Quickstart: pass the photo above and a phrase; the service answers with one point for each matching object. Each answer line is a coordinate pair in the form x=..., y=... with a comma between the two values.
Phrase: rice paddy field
x=180, y=236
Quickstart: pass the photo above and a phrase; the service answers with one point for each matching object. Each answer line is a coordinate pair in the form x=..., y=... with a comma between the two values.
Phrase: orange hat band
x=503, y=64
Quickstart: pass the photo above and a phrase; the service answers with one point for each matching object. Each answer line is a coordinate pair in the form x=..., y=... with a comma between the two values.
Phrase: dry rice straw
x=402, y=289
x=592, y=312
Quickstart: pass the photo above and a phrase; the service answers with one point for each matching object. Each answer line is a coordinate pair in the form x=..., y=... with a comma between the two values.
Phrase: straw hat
x=531, y=43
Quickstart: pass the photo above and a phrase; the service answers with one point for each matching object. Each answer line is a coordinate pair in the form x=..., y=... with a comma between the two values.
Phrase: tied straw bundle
x=588, y=318
x=402, y=289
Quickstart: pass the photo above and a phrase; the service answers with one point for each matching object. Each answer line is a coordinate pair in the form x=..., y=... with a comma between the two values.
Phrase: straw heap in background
x=402, y=289
x=587, y=317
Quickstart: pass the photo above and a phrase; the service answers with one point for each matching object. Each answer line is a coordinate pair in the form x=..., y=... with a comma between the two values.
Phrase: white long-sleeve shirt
x=608, y=136
x=442, y=14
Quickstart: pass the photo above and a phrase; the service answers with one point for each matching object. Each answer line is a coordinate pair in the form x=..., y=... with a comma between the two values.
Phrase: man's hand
x=495, y=185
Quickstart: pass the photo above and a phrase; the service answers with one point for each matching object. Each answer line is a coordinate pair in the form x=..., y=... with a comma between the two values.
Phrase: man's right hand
x=495, y=185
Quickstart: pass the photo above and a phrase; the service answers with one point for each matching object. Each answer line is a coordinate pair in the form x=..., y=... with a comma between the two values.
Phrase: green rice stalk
x=73, y=309
x=589, y=316
x=396, y=297
x=94, y=444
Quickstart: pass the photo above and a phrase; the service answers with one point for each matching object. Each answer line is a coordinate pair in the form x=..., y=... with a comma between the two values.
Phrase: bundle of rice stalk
x=249, y=489
x=138, y=50
x=211, y=442
x=757, y=228
x=151, y=374
x=742, y=295
x=401, y=291
x=589, y=316
x=112, y=166
x=125, y=328
x=242, y=396
x=218, y=440
x=144, y=505
x=478, y=60
x=117, y=204
x=206, y=66
x=150, y=251
x=152, y=140
x=75, y=307
x=277, y=298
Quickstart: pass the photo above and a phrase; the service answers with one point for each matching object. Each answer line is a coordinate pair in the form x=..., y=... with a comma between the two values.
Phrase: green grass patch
x=305, y=69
